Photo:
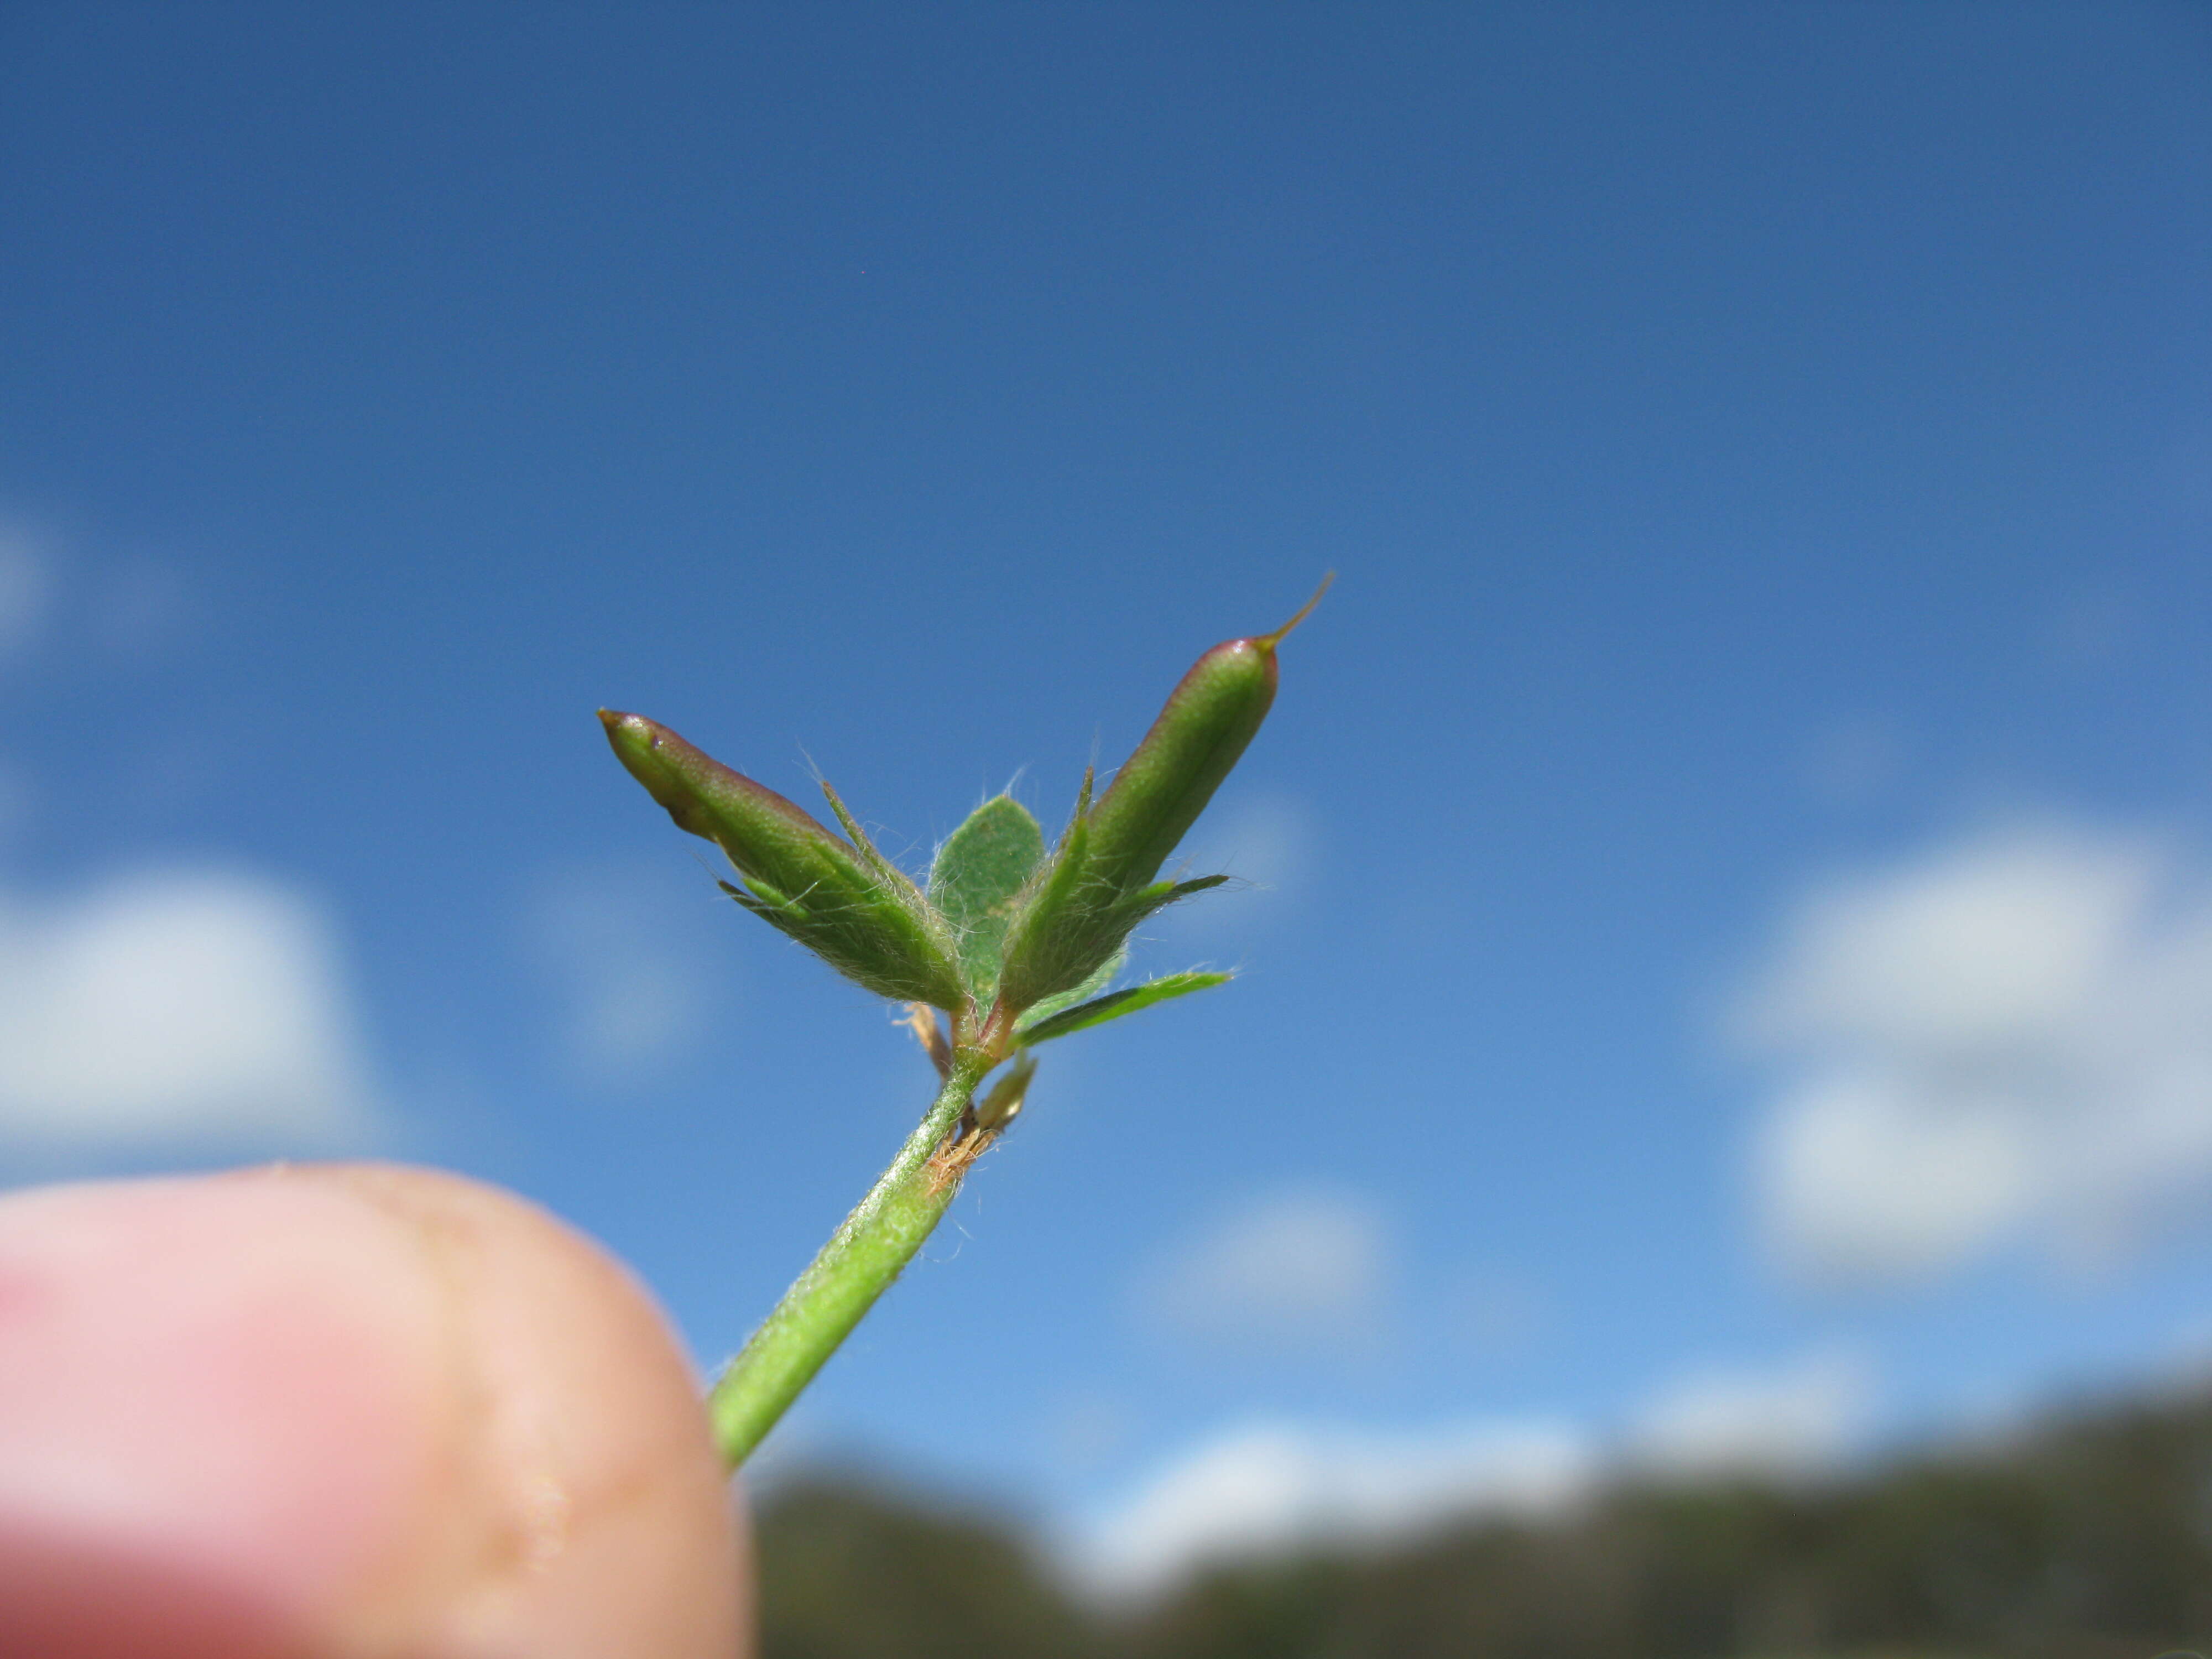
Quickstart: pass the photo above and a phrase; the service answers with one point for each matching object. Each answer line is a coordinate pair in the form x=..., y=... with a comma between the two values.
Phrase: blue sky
x=1728, y=952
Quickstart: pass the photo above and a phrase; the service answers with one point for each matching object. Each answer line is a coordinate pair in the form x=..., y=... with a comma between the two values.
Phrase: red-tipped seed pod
x=1099, y=883
x=1165, y=784
x=847, y=904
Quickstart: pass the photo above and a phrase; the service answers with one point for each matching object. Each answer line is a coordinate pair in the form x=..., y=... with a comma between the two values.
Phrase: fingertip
x=599, y=1515
x=357, y=1409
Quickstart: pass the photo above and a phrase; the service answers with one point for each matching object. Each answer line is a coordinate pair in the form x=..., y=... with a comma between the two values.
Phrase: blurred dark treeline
x=2088, y=1538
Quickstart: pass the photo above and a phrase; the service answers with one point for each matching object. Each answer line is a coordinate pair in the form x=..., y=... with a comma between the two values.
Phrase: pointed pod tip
x=1269, y=642
x=633, y=737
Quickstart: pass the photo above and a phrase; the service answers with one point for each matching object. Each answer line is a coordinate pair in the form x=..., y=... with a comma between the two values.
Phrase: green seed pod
x=845, y=902
x=1099, y=883
x=1163, y=787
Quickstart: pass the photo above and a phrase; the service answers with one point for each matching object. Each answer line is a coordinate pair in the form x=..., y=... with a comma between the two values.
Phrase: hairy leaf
x=977, y=874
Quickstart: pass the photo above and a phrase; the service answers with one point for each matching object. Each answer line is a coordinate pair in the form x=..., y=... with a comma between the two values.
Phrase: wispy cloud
x=1269, y=843
x=168, y=1010
x=1802, y=1417
x=626, y=955
x=1261, y=1487
x=1270, y=1486
x=2007, y=1036
x=1308, y=1271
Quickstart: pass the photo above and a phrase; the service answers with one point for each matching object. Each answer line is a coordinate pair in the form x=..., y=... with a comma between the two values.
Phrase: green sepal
x=1099, y=1010
x=1037, y=961
x=978, y=874
x=1045, y=1007
x=867, y=848
x=1183, y=890
x=846, y=934
x=1071, y=925
x=763, y=900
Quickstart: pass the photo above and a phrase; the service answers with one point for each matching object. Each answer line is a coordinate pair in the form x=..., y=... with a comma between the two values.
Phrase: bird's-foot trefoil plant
x=1010, y=945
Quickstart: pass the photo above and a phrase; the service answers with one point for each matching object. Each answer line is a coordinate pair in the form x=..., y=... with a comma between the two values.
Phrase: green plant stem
x=843, y=1281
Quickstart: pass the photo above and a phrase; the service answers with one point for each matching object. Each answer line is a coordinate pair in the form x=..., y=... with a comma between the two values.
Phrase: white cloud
x=1800, y=1420
x=1268, y=840
x=1270, y=1486
x=24, y=583
x=1864, y=1179
x=170, y=1009
x=2012, y=1035
x=1267, y=844
x=1086, y=1429
x=1264, y=1487
x=1305, y=1271
x=627, y=953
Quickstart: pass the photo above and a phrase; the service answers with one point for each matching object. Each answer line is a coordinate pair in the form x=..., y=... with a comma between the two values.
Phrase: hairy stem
x=843, y=1281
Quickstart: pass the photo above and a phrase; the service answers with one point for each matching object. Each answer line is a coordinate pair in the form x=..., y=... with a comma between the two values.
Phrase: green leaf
x=1046, y=1008
x=978, y=873
x=1099, y=1010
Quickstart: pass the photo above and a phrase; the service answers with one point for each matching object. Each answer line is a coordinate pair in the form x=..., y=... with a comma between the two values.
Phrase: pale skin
x=346, y=1411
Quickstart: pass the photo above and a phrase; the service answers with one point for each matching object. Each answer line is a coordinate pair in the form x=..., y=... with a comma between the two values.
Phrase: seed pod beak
x=1267, y=642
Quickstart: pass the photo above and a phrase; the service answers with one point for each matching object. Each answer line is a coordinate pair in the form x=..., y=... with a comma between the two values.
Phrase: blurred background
x=1710, y=1148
